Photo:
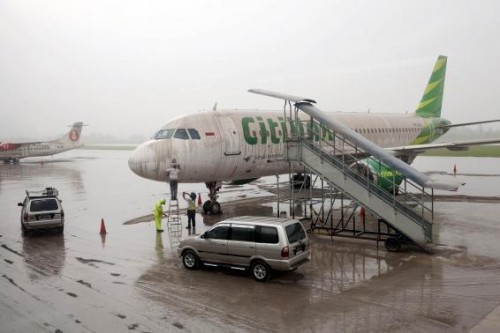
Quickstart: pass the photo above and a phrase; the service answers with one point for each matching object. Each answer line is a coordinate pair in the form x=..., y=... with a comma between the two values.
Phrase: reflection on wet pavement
x=355, y=288
x=44, y=254
x=132, y=279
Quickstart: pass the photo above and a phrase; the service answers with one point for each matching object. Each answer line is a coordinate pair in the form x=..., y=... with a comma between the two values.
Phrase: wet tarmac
x=131, y=279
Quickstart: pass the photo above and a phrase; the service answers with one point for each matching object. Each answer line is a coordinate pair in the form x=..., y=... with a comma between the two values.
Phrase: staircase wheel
x=392, y=244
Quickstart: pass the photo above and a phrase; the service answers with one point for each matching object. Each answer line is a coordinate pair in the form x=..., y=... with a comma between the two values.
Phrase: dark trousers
x=173, y=189
x=191, y=218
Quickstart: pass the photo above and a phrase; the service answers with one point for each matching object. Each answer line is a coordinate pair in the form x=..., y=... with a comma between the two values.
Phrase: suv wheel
x=190, y=259
x=260, y=271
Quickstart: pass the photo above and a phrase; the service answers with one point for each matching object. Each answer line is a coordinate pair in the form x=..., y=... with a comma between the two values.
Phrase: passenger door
x=231, y=149
x=213, y=246
x=241, y=244
x=229, y=133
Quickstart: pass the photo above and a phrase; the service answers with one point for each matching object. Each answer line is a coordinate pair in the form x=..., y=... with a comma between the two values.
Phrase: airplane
x=13, y=152
x=240, y=146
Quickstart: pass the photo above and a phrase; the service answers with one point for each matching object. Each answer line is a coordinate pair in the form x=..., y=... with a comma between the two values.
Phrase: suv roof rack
x=46, y=192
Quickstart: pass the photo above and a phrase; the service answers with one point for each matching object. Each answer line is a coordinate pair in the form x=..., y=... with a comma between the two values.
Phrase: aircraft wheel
x=392, y=244
x=207, y=207
x=216, y=210
x=301, y=181
x=307, y=181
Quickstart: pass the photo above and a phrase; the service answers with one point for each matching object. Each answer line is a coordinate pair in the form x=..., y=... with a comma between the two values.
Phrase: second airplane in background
x=243, y=145
x=13, y=152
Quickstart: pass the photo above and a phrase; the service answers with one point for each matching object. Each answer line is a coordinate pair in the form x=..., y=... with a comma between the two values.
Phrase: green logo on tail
x=431, y=102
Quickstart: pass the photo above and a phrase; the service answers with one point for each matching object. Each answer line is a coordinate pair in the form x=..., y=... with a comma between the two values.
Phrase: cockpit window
x=181, y=133
x=194, y=134
x=164, y=134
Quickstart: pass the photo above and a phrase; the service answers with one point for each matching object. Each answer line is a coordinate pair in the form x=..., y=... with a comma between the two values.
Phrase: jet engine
x=379, y=173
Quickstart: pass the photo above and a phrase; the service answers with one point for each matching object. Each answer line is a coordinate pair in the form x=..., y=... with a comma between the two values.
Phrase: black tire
x=307, y=182
x=207, y=207
x=301, y=181
x=60, y=230
x=24, y=231
x=261, y=271
x=392, y=244
x=190, y=259
x=216, y=210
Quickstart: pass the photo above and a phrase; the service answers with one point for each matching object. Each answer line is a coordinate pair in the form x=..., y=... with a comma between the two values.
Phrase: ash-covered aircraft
x=242, y=145
x=13, y=152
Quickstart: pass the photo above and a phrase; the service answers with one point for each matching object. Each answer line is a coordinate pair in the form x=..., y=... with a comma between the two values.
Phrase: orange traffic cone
x=103, y=228
x=362, y=213
x=199, y=199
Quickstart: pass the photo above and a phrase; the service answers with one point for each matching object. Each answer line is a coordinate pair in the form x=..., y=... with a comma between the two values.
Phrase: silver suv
x=261, y=244
x=42, y=210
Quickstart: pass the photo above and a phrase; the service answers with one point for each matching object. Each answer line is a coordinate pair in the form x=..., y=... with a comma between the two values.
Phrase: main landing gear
x=299, y=181
x=212, y=206
x=10, y=160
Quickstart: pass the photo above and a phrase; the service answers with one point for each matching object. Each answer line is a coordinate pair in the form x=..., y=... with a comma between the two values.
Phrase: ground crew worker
x=173, y=176
x=158, y=213
x=191, y=209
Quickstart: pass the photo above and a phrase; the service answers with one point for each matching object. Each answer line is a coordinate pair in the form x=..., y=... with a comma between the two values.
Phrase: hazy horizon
x=127, y=67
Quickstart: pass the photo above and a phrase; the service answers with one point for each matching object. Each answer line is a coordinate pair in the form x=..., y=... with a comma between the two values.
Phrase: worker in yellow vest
x=191, y=209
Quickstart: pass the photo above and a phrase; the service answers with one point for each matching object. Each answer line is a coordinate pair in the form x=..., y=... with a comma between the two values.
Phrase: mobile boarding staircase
x=333, y=152
x=410, y=216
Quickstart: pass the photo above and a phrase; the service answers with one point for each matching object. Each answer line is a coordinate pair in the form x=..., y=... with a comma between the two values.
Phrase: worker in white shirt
x=173, y=176
x=191, y=208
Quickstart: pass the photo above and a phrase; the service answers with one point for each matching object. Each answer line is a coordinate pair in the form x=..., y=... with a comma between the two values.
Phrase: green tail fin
x=432, y=100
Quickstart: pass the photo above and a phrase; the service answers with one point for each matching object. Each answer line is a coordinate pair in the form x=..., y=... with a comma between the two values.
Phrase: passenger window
x=295, y=232
x=268, y=235
x=181, y=133
x=242, y=233
x=164, y=134
x=219, y=232
x=194, y=134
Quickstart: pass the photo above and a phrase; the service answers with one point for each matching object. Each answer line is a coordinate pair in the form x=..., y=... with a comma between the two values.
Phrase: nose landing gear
x=212, y=206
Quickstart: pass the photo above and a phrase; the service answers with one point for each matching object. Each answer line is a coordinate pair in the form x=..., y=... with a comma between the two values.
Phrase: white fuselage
x=16, y=151
x=34, y=150
x=241, y=144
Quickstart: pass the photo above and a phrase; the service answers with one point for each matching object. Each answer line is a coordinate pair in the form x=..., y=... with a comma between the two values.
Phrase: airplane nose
x=143, y=162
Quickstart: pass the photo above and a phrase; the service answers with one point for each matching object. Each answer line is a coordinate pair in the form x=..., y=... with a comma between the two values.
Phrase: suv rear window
x=267, y=235
x=40, y=205
x=295, y=232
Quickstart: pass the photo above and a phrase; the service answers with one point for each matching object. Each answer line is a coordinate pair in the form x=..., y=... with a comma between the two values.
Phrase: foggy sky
x=126, y=67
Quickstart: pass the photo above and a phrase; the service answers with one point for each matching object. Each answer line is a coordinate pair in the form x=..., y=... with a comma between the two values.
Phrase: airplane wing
x=371, y=148
x=457, y=145
x=470, y=123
